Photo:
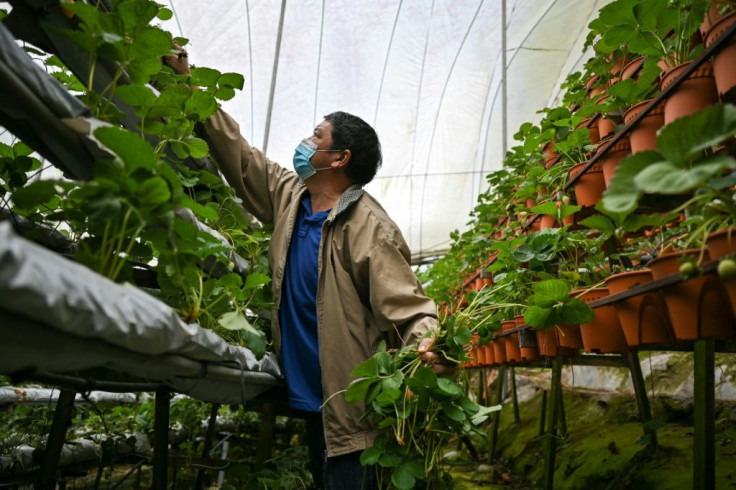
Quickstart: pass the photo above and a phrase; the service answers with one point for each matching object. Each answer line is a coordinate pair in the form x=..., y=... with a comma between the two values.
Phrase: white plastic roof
x=425, y=73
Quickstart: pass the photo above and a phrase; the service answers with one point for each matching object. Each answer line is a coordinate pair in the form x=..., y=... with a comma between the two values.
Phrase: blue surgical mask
x=302, y=156
x=302, y=159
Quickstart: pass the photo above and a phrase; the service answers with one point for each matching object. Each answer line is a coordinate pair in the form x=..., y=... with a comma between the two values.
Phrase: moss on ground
x=602, y=448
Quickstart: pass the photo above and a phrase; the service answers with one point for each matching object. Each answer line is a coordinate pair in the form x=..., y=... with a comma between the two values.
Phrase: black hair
x=354, y=134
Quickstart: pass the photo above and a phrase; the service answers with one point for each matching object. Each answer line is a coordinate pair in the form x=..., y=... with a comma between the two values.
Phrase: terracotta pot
x=473, y=352
x=550, y=160
x=547, y=343
x=721, y=244
x=612, y=158
x=511, y=342
x=643, y=136
x=488, y=355
x=631, y=69
x=547, y=221
x=712, y=16
x=592, y=89
x=486, y=277
x=569, y=336
x=606, y=127
x=589, y=187
x=529, y=352
x=604, y=335
x=616, y=68
x=592, y=129
x=692, y=95
x=499, y=350
x=643, y=317
x=698, y=308
x=724, y=61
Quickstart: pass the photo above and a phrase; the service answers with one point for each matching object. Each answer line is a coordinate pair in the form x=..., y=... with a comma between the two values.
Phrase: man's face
x=322, y=136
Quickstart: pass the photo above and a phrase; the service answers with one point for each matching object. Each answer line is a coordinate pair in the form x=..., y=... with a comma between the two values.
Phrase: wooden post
x=497, y=415
x=561, y=418
x=161, y=439
x=265, y=437
x=543, y=412
x=207, y=446
x=642, y=400
x=549, y=460
x=55, y=442
x=512, y=373
x=704, y=451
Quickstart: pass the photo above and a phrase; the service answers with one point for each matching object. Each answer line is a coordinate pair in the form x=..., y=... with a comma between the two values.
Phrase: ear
x=342, y=159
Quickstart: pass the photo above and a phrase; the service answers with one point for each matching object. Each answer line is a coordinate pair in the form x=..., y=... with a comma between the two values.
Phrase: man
x=342, y=280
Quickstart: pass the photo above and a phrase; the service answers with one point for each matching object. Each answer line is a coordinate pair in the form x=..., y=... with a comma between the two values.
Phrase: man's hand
x=178, y=62
x=432, y=359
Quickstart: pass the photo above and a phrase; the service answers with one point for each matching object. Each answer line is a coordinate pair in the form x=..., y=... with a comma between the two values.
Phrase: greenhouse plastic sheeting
x=425, y=73
x=75, y=301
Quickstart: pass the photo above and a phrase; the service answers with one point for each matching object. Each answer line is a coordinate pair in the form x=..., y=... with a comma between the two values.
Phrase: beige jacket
x=366, y=288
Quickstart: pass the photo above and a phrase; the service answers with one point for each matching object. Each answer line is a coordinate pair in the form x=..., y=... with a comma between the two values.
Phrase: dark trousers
x=337, y=473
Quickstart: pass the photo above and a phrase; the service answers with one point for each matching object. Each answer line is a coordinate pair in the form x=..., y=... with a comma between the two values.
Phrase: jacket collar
x=350, y=196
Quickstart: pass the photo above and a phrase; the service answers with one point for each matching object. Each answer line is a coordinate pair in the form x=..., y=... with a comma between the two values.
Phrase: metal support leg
x=704, y=450
x=497, y=415
x=549, y=460
x=642, y=400
x=482, y=398
x=62, y=419
x=265, y=438
x=207, y=447
x=161, y=439
x=512, y=374
x=543, y=412
x=561, y=418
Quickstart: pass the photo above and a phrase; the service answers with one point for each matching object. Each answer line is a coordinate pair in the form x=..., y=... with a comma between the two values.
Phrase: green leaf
x=483, y=414
x=453, y=412
x=197, y=147
x=575, y=312
x=666, y=178
x=87, y=13
x=449, y=387
x=153, y=191
x=256, y=280
x=205, y=77
x=358, y=389
x=136, y=95
x=201, y=211
x=225, y=93
x=686, y=137
x=367, y=368
x=136, y=12
x=394, y=381
x=550, y=292
x=130, y=147
x=523, y=253
x=164, y=14
x=600, y=223
x=536, y=316
x=201, y=103
x=622, y=195
x=425, y=377
x=370, y=456
x=388, y=397
x=151, y=42
x=234, y=80
x=34, y=194
x=233, y=320
x=389, y=460
x=403, y=479
x=385, y=363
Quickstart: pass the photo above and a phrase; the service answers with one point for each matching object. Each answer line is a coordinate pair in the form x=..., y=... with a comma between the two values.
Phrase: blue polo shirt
x=298, y=311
